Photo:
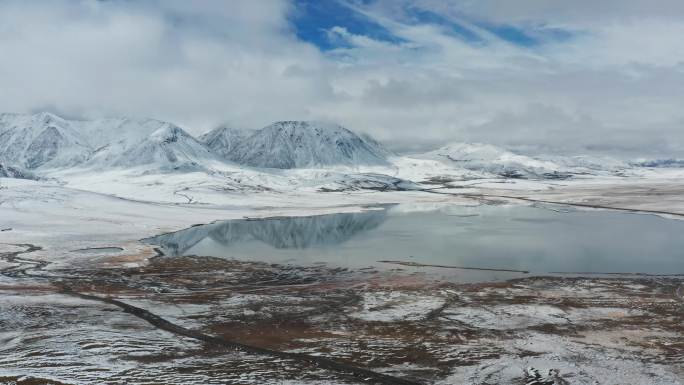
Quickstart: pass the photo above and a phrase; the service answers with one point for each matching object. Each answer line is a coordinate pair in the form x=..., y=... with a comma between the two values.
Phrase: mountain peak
x=224, y=139
x=166, y=147
x=299, y=144
x=40, y=140
x=167, y=133
x=307, y=125
x=48, y=117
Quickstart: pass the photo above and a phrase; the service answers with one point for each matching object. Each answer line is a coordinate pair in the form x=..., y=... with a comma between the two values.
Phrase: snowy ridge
x=496, y=161
x=45, y=141
x=493, y=160
x=302, y=144
x=168, y=147
x=41, y=140
x=586, y=163
x=223, y=140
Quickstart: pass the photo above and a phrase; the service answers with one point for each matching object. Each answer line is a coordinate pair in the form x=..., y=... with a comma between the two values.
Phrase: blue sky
x=568, y=76
x=313, y=20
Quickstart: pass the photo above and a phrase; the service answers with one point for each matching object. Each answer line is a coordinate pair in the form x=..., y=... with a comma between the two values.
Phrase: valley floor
x=82, y=301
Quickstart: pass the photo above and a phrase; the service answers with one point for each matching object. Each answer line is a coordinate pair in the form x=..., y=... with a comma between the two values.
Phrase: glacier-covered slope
x=45, y=141
x=223, y=140
x=302, y=144
x=167, y=147
x=41, y=140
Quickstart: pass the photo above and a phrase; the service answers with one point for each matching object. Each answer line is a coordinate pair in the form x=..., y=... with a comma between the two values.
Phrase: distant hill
x=495, y=160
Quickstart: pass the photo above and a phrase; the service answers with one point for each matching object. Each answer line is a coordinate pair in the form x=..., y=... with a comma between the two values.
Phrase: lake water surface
x=541, y=240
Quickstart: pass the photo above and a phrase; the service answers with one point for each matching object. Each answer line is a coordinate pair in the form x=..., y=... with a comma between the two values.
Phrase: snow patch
x=396, y=306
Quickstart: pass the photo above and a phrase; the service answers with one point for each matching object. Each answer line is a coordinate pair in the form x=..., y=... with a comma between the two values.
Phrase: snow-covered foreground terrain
x=405, y=325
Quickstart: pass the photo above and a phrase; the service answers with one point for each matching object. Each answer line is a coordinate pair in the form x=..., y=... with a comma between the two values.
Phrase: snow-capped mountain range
x=45, y=141
x=318, y=155
x=41, y=140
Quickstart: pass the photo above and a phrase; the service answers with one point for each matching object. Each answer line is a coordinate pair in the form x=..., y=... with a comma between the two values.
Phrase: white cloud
x=616, y=84
x=123, y=58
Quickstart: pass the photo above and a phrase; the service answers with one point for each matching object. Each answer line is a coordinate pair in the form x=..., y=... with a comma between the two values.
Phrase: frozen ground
x=82, y=233
x=571, y=331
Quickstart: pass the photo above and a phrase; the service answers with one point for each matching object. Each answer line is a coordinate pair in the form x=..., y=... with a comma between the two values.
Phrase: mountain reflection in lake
x=490, y=237
x=279, y=232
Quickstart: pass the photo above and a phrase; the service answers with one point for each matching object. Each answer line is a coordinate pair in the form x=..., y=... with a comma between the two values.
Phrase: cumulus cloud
x=551, y=76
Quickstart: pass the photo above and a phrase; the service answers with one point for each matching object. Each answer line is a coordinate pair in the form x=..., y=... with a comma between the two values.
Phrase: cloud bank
x=544, y=76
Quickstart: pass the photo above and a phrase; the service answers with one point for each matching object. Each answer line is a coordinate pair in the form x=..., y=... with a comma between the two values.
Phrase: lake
x=539, y=240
